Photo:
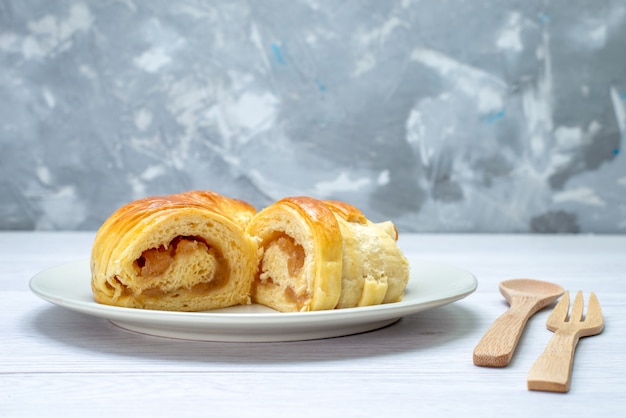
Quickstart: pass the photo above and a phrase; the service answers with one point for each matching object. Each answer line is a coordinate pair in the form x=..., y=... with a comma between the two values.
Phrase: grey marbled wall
x=472, y=116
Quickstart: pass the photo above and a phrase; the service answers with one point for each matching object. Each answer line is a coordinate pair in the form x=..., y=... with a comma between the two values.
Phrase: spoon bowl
x=525, y=297
x=543, y=292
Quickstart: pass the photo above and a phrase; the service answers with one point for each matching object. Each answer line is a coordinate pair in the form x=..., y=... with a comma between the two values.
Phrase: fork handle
x=552, y=370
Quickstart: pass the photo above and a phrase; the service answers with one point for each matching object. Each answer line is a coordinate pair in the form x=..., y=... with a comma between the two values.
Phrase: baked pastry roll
x=182, y=252
x=300, y=264
x=318, y=255
x=375, y=270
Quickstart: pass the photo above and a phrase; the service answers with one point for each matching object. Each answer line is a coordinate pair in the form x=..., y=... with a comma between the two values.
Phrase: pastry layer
x=318, y=254
x=184, y=252
x=300, y=265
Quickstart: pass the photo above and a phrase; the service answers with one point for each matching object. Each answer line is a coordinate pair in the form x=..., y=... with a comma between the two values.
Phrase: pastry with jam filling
x=323, y=254
x=181, y=252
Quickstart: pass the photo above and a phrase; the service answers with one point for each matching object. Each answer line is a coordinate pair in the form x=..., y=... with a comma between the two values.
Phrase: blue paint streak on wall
x=616, y=152
x=320, y=86
x=544, y=18
x=494, y=117
x=278, y=54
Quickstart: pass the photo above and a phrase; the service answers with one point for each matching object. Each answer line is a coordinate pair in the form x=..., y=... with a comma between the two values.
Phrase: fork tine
x=594, y=305
x=559, y=313
x=576, y=315
x=594, y=313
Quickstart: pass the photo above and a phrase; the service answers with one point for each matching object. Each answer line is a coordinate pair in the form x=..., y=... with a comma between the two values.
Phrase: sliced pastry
x=322, y=254
x=181, y=252
x=374, y=269
x=300, y=265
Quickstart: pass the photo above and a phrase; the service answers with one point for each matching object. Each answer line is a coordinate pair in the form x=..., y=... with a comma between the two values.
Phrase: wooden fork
x=553, y=369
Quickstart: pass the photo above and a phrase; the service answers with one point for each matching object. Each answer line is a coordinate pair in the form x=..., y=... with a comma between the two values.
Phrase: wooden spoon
x=525, y=297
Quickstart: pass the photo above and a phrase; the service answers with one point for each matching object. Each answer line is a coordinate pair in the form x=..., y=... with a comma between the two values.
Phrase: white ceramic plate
x=431, y=285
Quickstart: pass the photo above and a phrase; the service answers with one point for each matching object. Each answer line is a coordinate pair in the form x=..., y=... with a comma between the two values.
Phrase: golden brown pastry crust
x=343, y=260
x=300, y=265
x=184, y=252
x=200, y=250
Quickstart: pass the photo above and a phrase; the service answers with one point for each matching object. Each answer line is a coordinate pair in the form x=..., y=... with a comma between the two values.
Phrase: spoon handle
x=496, y=347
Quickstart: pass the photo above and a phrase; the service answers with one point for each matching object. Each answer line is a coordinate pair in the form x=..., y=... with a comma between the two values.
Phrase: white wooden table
x=54, y=362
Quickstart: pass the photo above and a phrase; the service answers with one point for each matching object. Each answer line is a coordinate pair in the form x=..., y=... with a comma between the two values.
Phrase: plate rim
x=209, y=323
